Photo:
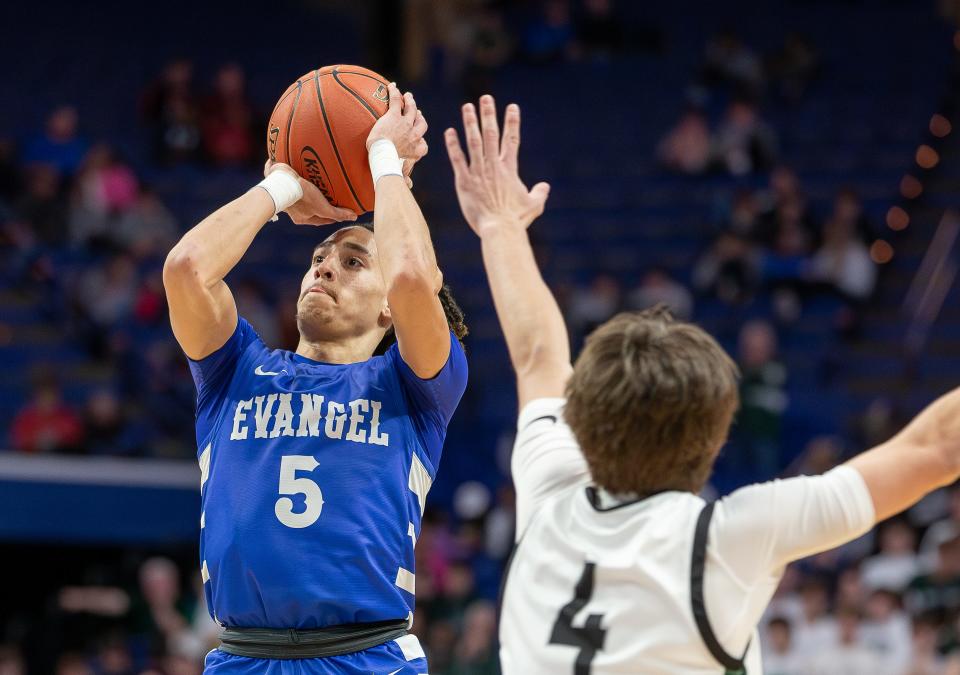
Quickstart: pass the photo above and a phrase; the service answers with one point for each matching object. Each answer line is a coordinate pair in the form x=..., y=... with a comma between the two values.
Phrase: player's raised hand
x=489, y=188
x=313, y=208
x=404, y=126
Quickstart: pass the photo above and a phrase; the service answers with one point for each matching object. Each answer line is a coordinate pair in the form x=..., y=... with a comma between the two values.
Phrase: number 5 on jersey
x=291, y=485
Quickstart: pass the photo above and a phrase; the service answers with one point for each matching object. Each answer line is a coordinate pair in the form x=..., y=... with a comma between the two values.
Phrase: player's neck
x=349, y=350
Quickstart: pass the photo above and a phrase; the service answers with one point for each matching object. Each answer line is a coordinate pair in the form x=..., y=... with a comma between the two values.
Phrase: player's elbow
x=415, y=282
x=180, y=267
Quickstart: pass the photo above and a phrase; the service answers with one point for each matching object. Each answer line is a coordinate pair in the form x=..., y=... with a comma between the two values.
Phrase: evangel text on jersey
x=273, y=415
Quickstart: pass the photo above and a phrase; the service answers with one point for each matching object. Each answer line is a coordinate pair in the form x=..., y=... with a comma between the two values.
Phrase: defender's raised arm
x=499, y=209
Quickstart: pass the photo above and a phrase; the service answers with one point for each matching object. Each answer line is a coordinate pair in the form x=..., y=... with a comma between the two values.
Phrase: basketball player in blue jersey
x=315, y=464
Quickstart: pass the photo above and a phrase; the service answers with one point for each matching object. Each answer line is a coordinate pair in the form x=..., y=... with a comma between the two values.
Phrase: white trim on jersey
x=635, y=613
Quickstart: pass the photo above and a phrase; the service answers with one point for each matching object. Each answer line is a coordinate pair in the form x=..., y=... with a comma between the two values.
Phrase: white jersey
x=600, y=584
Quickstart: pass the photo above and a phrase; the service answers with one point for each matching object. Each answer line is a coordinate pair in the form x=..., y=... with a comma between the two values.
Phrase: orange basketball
x=320, y=126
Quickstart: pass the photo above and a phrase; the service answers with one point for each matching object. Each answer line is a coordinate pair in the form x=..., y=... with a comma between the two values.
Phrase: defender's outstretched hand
x=313, y=208
x=489, y=188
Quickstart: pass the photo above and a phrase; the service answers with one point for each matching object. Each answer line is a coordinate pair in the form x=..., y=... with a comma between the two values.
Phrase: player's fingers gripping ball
x=320, y=127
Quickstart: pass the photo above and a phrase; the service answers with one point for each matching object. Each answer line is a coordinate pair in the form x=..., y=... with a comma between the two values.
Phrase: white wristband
x=384, y=160
x=284, y=190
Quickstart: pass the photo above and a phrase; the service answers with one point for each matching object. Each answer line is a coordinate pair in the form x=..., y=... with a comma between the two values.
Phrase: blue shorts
x=402, y=656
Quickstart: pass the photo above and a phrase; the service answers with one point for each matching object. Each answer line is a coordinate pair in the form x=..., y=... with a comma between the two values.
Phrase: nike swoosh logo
x=261, y=371
x=395, y=672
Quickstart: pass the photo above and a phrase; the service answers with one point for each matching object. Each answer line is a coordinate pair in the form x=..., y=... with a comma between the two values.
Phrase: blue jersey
x=313, y=478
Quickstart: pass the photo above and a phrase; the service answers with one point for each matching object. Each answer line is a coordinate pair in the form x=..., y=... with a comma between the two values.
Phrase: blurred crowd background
x=783, y=174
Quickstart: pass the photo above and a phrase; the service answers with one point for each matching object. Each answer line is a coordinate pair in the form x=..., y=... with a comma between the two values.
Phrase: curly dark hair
x=451, y=310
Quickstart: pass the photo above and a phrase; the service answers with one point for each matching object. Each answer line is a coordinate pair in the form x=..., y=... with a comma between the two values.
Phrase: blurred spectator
x=763, y=399
x=46, y=423
x=848, y=209
x=107, y=430
x=11, y=661
x=475, y=653
x=727, y=270
x=744, y=214
x=113, y=657
x=844, y=262
x=938, y=591
x=821, y=454
x=657, y=287
x=160, y=613
x=686, y=147
x=60, y=146
x=780, y=657
x=73, y=663
x=228, y=121
x=940, y=532
x=170, y=108
x=104, y=300
x=147, y=229
x=548, y=37
x=926, y=657
x=848, y=655
x=202, y=634
x=813, y=628
x=599, y=30
x=794, y=67
x=151, y=303
x=42, y=206
x=490, y=46
x=591, y=306
x=499, y=525
x=879, y=422
x=104, y=188
x=744, y=143
x=896, y=564
x=729, y=62
x=783, y=190
x=886, y=629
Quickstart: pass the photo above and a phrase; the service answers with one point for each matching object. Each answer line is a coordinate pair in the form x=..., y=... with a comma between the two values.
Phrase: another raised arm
x=499, y=209
x=403, y=239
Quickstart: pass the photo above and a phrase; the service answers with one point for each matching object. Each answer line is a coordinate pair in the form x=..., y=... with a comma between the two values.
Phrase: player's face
x=343, y=294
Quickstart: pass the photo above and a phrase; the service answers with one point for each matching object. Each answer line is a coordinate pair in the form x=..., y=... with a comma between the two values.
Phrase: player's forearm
x=403, y=239
x=529, y=316
x=217, y=243
x=918, y=460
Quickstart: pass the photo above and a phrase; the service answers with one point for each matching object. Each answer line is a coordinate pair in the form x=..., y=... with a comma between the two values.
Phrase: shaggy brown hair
x=650, y=401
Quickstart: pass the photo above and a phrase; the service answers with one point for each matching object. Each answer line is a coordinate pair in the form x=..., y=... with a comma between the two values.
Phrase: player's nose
x=325, y=269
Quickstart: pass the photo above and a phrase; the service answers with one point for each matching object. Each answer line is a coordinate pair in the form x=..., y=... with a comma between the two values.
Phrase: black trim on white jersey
x=552, y=418
x=697, y=565
x=503, y=579
x=594, y=500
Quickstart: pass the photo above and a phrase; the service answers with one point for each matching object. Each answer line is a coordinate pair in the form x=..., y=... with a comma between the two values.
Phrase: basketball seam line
x=333, y=142
x=355, y=94
x=293, y=112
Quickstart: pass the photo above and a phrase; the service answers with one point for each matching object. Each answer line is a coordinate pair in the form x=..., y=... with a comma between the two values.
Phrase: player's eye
x=355, y=262
x=317, y=259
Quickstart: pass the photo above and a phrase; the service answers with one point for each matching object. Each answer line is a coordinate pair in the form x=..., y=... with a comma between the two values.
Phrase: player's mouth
x=320, y=289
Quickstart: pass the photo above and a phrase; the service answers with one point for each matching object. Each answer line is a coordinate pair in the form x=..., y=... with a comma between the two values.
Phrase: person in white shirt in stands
x=850, y=656
x=619, y=566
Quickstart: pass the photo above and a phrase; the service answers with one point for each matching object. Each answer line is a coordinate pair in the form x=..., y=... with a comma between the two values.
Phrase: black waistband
x=282, y=643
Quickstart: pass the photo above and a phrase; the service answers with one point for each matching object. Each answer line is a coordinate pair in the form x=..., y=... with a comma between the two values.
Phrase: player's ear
x=385, y=320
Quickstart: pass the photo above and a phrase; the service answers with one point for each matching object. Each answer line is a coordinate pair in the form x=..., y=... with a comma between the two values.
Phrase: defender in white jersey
x=620, y=567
